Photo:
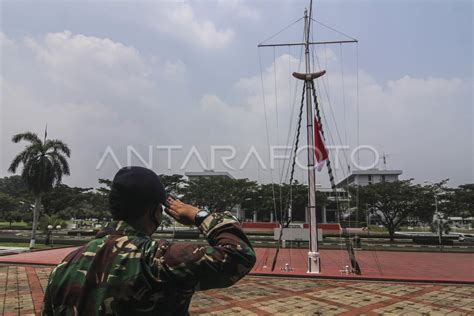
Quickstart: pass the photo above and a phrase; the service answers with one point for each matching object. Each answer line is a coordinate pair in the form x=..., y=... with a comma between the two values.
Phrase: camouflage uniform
x=124, y=272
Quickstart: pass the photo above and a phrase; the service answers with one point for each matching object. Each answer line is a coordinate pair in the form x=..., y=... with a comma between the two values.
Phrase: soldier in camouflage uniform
x=125, y=272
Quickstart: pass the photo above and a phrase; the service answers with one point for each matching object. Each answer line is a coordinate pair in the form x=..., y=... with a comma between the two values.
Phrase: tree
x=438, y=203
x=101, y=199
x=106, y=185
x=14, y=186
x=44, y=164
x=174, y=184
x=428, y=199
x=218, y=193
x=68, y=202
x=424, y=208
x=53, y=221
x=61, y=197
x=266, y=199
x=7, y=203
x=9, y=208
x=463, y=200
x=13, y=216
x=260, y=200
x=300, y=199
x=389, y=202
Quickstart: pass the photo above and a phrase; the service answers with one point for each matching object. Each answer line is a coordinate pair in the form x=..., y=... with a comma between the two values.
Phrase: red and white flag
x=320, y=151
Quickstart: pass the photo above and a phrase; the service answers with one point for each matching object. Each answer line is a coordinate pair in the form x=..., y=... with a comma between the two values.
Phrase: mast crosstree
x=314, y=260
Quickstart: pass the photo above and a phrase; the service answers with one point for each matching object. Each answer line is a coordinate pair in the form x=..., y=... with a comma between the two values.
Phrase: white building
x=372, y=176
x=358, y=177
x=325, y=214
x=461, y=222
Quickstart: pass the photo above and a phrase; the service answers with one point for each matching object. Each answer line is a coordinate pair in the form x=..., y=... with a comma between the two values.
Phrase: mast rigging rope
x=293, y=96
x=282, y=30
x=280, y=171
x=288, y=220
x=266, y=129
x=350, y=249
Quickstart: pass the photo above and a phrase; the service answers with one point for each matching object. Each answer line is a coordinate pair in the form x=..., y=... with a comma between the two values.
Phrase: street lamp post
x=439, y=218
x=438, y=215
x=58, y=227
x=49, y=237
x=368, y=221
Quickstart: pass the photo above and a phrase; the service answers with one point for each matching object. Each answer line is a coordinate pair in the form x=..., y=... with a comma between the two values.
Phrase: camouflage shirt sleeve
x=228, y=257
x=47, y=308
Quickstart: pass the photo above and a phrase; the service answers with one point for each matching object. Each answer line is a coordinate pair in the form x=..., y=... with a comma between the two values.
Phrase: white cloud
x=213, y=104
x=93, y=92
x=424, y=124
x=239, y=8
x=278, y=73
x=175, y=69
x=5, y=42
x=179, y=20
x=91, y=67
x=280, y=88
x=210, y=102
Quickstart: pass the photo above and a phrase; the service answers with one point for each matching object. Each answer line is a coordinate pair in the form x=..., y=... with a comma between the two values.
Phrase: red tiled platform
x=21, y=293
x=378, y=265
x=40, y=257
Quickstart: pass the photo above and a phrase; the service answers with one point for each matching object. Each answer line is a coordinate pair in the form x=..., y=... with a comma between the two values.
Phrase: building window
x=370, y=179
x=383, y=178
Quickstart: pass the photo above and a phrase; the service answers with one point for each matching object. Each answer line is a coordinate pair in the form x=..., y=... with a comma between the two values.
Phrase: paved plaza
x=21, y=293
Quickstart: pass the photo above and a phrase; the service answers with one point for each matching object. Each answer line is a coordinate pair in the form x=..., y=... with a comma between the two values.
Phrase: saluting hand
x=182, y=212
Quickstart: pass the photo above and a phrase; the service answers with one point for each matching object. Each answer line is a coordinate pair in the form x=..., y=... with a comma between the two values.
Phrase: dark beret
x=136, y=187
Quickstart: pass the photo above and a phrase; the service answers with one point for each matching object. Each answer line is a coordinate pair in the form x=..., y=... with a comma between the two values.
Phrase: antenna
x=45, y=132
x=384, y=160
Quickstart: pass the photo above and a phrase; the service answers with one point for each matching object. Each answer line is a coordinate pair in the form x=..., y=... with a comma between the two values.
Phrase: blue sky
x=187, y=73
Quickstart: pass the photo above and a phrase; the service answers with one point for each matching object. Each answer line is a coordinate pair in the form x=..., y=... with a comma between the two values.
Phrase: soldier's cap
x=136, y=187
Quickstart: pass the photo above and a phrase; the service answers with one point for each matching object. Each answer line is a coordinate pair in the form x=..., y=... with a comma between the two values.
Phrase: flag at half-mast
x=320, y=151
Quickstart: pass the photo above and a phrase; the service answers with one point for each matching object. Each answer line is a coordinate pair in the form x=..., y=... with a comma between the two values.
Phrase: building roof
x=208, y=173
x=376, y=172
x=372, y=172
x=458, y=218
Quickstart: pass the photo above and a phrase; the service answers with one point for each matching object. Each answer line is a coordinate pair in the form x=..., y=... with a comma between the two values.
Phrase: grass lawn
x=15, y=225
x=377, y=229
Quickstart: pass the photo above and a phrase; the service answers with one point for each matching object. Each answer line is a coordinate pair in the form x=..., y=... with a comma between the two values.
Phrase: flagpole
x=314, y=262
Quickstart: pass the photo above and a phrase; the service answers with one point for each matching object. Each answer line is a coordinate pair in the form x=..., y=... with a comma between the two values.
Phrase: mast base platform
x=314, y=262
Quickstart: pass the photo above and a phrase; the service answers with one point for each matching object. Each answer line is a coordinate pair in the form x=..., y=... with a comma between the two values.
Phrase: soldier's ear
x=156, y=213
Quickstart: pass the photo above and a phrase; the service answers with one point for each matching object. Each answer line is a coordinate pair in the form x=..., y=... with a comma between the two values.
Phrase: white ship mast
x=314, y=261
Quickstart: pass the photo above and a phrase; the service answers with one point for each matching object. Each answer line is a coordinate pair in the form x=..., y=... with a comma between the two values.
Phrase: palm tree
x=44, y=164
